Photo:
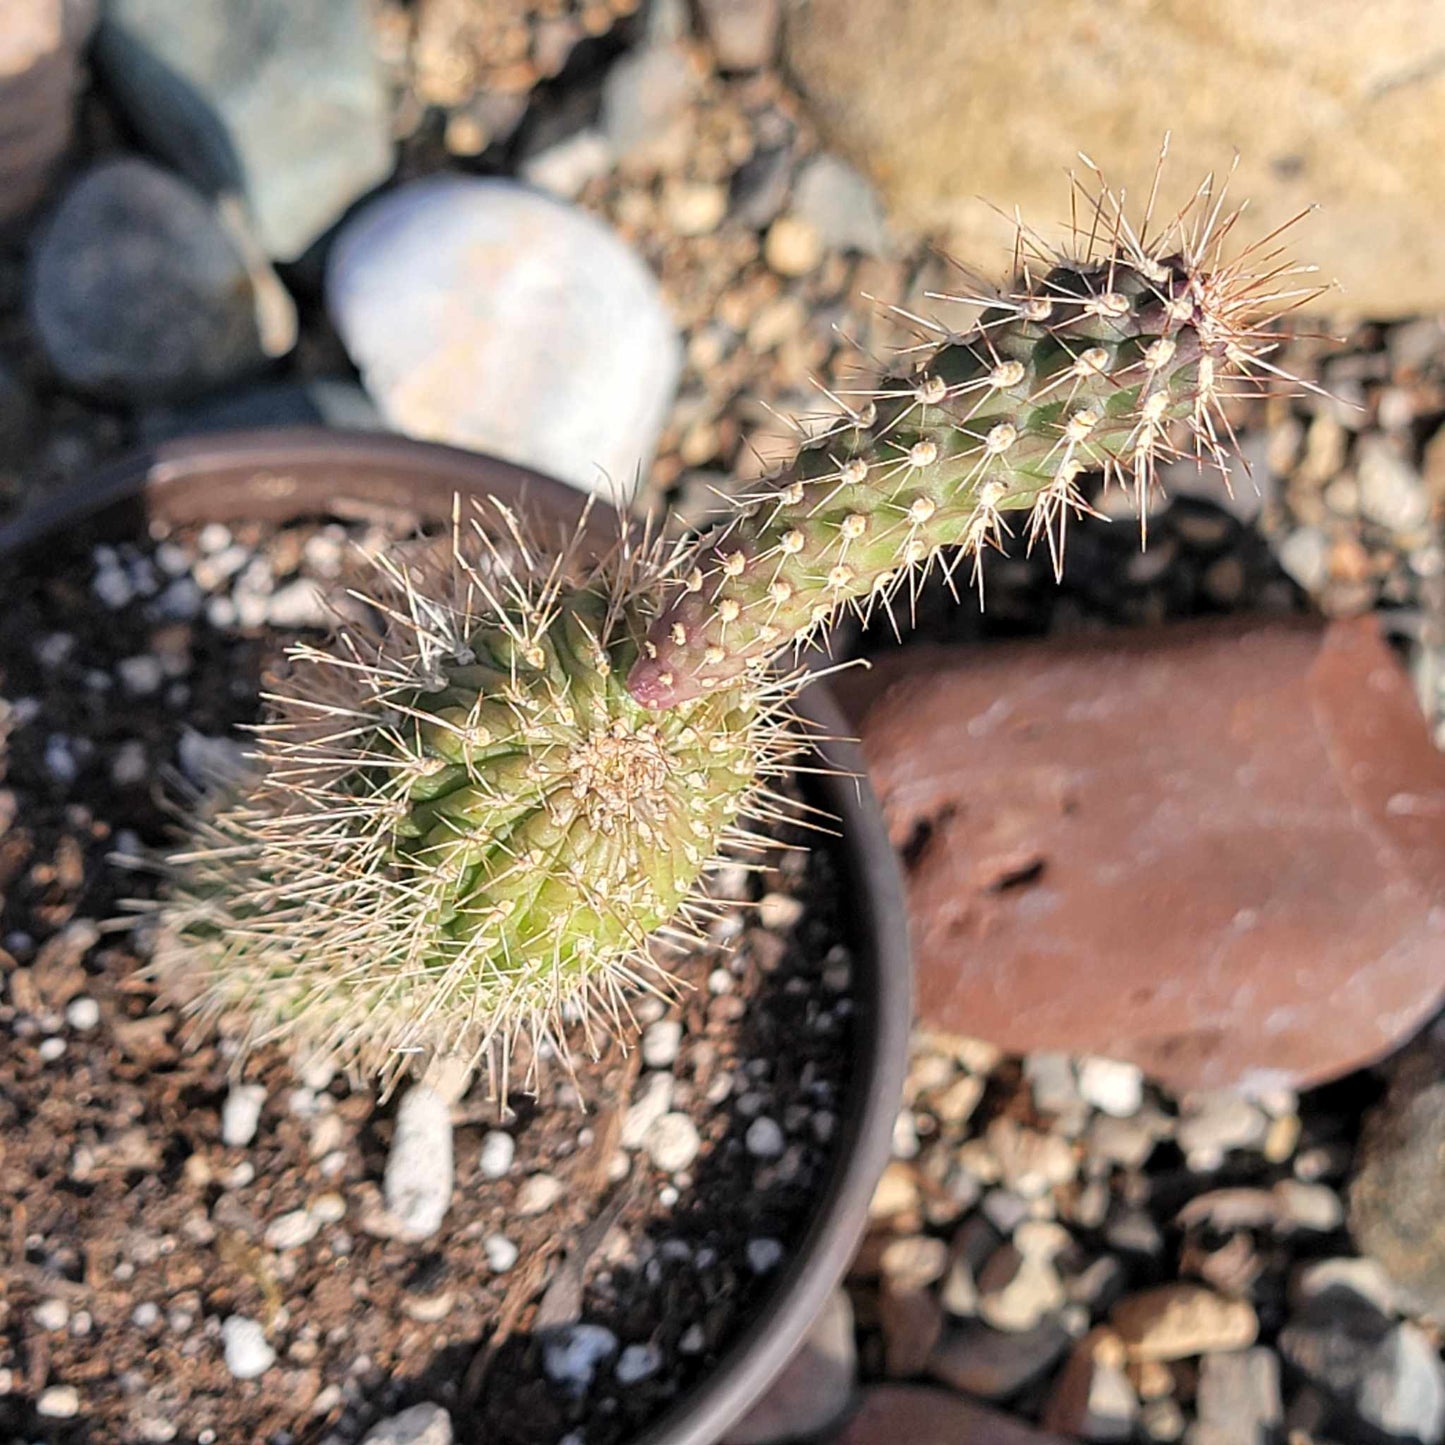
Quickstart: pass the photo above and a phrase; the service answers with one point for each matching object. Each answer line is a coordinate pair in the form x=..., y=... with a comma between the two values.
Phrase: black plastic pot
x=284, y=475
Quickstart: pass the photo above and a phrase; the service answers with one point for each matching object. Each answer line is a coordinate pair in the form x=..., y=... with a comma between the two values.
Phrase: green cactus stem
x=462, y=825
x=1091, y=366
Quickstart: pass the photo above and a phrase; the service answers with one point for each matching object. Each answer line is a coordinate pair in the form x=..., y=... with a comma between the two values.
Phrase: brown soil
x=121, y=1202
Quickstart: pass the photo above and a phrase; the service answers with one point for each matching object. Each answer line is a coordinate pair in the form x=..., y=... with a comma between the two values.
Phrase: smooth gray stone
x=137, y=291
x=278, y=101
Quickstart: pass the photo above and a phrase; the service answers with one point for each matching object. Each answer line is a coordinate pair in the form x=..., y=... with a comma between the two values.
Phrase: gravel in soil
x=193, y=1257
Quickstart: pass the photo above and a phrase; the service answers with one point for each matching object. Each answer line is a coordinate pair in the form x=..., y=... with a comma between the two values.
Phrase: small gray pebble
x=764, y=1255
x=637, y=1362
x=765, y=1139
x=571, y=1356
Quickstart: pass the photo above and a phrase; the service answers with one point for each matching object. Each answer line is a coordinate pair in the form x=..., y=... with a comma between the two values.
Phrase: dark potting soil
x=130, y=1232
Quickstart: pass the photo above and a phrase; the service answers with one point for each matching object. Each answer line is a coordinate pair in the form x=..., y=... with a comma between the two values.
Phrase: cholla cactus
x=470, y=823
x=1088, y=365
x=461, y=825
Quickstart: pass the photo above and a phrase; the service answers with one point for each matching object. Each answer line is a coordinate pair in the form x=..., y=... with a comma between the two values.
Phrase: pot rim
x=293, y=472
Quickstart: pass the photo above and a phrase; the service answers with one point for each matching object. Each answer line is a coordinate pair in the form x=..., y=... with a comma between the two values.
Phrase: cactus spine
x=1087, y=367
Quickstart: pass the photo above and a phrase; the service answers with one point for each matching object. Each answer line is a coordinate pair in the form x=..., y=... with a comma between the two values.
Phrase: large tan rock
x=953, y=104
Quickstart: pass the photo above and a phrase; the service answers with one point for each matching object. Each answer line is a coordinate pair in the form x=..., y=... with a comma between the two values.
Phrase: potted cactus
x=475, y=810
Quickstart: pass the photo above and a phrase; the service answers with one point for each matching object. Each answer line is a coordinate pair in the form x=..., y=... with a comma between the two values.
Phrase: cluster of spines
x=1091, y=365
x=462, y=832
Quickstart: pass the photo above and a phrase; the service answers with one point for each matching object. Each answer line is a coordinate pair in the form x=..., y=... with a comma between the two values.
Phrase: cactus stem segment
x=1097, y=358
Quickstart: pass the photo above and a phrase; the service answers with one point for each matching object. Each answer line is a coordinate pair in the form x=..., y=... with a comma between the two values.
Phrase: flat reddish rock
x=916, y=1415
x=1216, y=850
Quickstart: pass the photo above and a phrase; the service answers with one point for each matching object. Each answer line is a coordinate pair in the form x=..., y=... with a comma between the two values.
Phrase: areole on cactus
x=472, y=823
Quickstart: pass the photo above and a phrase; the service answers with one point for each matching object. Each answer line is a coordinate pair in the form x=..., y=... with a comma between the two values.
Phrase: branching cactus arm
x=1089, y=365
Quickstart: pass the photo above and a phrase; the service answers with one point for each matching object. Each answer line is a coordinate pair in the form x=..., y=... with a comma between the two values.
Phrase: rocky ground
x=1058, y=1251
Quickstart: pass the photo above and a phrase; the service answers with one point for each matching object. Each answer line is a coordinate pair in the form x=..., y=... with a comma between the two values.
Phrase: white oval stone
x=484, y=314
x=498, y=1151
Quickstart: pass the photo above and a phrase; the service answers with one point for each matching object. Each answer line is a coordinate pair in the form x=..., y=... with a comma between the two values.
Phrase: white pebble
x=113, y=587
x=539, y=1192
x=221, y=613
x=247, y=1352
x=653, y=1101
x=673, y=1143
x=213, y=537
x=251, y=609
x=54, y=648
x=691, y=1341
x=301, y=603
x=172, y=560
x=141, y=675
x=572, y=1355
x=52, y=1314
x=764, y=1255
x=660, y=1043
x=211, y=761
x=51, y=1049
x=128, y=766
x=905, y=1135
x=82, y=1013
x=59, y=1402
x=328, y=1133
x=765, y=1139
x=292, y=1230
x=417, y=1184
x=426, y=1424
x=181, y=601
x=501, y=1253
x=1112, y=1086
x=211, y=572
x=637, y=1362
x=329, y=1208
x=241, y=1114
x=145, y=1315
x=60, y=761
x=719, y=981
x=498, y=1151
x=779, y=911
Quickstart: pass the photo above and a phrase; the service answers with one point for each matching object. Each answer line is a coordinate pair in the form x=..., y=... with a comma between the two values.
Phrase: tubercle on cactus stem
x=1089, y=365
x=462, y=832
